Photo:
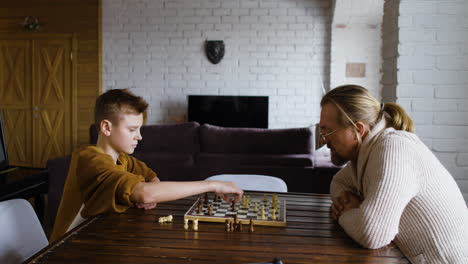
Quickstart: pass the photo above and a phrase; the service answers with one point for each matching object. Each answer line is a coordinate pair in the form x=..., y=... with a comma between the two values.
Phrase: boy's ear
x=105, y=127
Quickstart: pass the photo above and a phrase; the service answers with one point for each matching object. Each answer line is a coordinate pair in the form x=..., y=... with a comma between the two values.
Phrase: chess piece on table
x=228, y=226
x=164, y=219
x=251, y=226
x=262, y=212
x=195, y=224
x=186, y=224
x=239, y=226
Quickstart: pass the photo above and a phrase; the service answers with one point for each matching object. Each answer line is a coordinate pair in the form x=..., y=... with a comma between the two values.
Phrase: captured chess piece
x=165, y=219
x=195, y=225
x=186, y=224
x=251, y=226
x=239, y=226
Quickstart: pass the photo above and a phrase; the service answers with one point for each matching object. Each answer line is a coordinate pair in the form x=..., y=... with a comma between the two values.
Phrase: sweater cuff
x=126, y=187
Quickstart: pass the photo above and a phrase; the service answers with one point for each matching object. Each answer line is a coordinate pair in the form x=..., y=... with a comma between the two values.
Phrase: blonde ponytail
x=355, y=103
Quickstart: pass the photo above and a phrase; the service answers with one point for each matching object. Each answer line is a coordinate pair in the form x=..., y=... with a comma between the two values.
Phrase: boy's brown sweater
x=101, y=185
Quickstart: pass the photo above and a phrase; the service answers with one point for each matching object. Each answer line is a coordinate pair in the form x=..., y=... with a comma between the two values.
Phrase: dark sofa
x=190, y=151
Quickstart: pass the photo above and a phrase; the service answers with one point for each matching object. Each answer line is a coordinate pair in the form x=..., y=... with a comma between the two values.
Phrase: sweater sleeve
x=391, y=181
x=105, y=188
x=138, y=167
x=342, y=181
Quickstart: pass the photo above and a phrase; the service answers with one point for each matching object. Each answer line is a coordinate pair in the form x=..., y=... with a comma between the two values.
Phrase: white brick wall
x=277, y=48
x=432, y=70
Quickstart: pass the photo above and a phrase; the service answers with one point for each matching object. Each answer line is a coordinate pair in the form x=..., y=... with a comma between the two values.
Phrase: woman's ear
x=105, y=127
x=362, y=128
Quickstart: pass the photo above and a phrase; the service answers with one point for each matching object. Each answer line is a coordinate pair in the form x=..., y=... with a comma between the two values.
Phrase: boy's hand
x=146, y=206
x=223, y=189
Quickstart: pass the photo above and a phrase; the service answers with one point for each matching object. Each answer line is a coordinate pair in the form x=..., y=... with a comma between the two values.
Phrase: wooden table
x=137, y=237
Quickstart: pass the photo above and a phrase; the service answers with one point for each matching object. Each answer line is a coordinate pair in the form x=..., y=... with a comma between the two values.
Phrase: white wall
x=432, y=77
x=277, y=48
x=356, y=38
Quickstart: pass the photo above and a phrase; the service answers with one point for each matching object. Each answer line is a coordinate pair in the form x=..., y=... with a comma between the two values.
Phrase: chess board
x=222, y=210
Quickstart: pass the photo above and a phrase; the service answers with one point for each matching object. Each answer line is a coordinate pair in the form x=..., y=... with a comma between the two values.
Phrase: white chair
x=21, y=233
x=253, y=182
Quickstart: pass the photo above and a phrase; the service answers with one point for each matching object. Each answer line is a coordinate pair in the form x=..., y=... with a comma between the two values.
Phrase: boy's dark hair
x=113, y=103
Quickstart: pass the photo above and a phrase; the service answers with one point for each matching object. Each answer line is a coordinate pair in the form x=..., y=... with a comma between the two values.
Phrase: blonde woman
x=393, y=188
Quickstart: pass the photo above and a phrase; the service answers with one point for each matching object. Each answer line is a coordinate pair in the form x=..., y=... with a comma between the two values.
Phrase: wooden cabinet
x=38, y=97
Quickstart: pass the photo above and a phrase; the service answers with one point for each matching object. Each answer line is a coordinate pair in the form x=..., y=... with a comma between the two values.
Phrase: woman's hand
x=346, y=201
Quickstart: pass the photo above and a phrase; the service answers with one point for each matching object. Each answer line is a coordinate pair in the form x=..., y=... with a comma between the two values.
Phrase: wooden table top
x=136, y=237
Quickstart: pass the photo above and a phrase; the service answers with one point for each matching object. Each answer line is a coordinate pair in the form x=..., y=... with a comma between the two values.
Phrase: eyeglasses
x=323, y=137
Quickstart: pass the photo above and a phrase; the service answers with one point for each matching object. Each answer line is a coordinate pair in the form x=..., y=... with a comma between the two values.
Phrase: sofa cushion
x=216, y=139
x=255, y=160
x=164, y=138
x=164, y=158
x=170, y=138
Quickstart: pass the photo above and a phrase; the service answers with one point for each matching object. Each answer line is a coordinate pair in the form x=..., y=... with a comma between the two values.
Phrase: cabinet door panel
x=16, y=98
x=52, y=98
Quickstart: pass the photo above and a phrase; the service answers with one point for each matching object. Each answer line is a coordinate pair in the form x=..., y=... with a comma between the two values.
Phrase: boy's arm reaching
x=156, y=192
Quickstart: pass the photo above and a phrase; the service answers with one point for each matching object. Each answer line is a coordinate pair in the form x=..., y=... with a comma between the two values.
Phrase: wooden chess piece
x=239, y=226
x=233, y=206
x=210, y=210
x=200, y=208
x=228, y=226
x=186, y=224
x=262, y=212
x=251, y=226
x=273, y=214
x=195, y=225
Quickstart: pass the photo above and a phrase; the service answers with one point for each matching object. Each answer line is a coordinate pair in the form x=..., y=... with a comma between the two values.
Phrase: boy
x=105, y=178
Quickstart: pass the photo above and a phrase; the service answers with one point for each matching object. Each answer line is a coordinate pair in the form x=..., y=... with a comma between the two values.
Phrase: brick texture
x=278, y=48
x=430, y=74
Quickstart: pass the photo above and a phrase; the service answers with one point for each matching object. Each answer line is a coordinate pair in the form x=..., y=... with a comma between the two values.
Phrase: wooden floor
x=137, y=237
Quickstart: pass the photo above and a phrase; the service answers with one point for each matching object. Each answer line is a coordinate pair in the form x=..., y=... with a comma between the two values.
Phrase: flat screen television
x=229, y=111
x=3, y=150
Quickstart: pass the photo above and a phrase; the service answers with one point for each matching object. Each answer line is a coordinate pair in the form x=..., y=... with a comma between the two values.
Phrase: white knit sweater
x=409, y=198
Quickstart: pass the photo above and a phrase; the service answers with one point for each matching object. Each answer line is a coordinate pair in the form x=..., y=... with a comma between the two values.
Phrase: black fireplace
x=229, y=111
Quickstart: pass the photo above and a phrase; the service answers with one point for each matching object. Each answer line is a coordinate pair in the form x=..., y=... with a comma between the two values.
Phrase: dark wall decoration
x=214, y=50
